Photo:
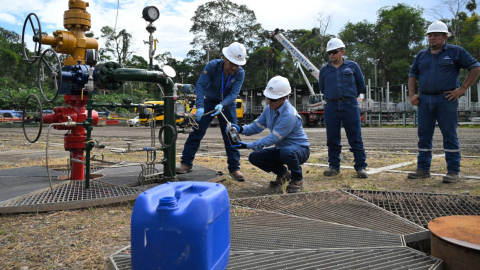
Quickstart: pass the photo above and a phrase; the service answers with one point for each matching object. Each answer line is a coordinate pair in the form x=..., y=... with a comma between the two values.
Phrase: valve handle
x=36, y=32
x=29, y=115
x=49, y=75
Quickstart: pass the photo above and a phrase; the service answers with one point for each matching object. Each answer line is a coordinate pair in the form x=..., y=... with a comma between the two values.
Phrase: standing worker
x=341, y=82
x=437, y=69
x=291, y=145
x=216, y=89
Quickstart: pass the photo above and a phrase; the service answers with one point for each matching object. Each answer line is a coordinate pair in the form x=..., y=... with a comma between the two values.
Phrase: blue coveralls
x=209, y=94
x=340, y=88
x=286, y=133
x=436, y=74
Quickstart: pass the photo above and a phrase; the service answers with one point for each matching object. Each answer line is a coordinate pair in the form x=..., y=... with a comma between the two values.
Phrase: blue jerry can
x=181, y=225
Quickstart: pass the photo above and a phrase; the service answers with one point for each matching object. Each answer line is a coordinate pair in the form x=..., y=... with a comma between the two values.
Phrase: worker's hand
x=199, y=113
x=414, y=100
x=453, y=95
x=239, y=128
x=218, y=109
x=240, y=145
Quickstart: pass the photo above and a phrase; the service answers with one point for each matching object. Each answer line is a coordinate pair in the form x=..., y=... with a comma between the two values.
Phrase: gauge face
x=169, y=71
x=150, y=13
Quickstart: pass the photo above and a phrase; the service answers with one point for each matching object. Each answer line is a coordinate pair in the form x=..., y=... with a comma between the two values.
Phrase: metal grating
x=338, y=207
x=373, y=258
x=252, y=229
x=381, y=258
x=421, y=208
x=71, y=193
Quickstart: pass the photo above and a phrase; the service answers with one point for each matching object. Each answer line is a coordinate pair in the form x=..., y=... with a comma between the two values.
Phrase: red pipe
x=74, y=141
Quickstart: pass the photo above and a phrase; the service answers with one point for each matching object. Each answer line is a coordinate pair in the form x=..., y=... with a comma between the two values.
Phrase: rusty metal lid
x=460, y=230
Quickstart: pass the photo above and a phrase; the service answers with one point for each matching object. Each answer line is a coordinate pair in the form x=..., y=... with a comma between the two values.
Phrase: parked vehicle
x=10, y=116
x=134, y=122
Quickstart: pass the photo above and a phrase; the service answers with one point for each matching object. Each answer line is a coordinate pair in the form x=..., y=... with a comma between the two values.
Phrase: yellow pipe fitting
x=77, y=16
x=73, y=42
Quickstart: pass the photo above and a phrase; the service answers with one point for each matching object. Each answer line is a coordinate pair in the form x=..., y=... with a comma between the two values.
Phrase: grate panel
x=421, y=208
x=338, y=207
x=253, y=229
x=371, y=258
x=69, y=195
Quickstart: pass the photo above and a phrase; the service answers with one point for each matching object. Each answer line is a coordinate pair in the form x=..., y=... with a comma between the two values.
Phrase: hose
x=174, y=139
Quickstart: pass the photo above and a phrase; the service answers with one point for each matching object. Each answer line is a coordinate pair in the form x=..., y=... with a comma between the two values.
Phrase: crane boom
x=297, y=55
x=315, y=102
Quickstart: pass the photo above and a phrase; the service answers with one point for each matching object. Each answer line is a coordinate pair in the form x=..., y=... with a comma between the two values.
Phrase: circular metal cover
x=169, y=71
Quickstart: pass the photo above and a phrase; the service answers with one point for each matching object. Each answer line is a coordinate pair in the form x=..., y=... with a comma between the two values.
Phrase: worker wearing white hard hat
x=216, y=90
x=437, y=69
x=341, y=82
x=287, y=144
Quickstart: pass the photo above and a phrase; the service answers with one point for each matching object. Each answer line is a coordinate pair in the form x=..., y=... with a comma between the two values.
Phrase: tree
x=324, y=24
x=218, y=23
x=117, y=45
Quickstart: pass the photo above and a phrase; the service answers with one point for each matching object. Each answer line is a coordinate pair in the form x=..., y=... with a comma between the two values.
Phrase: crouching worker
x=291, y=145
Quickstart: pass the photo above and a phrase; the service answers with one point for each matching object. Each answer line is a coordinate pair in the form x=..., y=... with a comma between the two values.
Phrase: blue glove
x=199, y=113
x=218, y=109
x=240, y=145
x=239, y=129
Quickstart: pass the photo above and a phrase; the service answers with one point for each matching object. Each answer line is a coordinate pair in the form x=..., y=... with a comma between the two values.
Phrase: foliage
x=218, y=23
x=384, y=48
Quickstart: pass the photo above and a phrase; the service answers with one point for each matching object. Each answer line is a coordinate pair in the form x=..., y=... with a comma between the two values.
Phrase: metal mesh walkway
x=337, y=207
x=314, y=259
x=69, y=195
x=421, y=208
x=320, y=230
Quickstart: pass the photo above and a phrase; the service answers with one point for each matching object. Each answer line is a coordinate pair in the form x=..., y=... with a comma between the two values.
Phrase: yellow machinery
x=73, y=42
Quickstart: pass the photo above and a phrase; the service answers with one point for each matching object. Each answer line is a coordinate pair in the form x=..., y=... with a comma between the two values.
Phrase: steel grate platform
x=69, y=195
x=337, y=207
x=374, y=258
x=321, y=230
x=252, y=229
x=379, y=258
x=421, y=208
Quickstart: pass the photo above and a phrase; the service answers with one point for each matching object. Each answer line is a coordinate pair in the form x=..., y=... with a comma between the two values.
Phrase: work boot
x=237, y=175
x=294, y=186
x=331, y=171
x=281, y=180
x=451, y=177
x=362, y=173
x=184, y=168
x=418, y=174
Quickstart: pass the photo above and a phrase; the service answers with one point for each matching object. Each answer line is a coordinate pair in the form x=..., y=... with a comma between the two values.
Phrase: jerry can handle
x=179, y=191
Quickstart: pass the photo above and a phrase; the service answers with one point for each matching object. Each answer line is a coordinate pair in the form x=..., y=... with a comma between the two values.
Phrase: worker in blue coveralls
x=437, y=68
x=216, y=89
x=341, y=82
x=291, y=145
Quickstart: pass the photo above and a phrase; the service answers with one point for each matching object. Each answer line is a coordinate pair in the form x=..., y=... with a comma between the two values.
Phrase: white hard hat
x=334, y=43
x=235, y=53
x=277, y=87
x=438, y=27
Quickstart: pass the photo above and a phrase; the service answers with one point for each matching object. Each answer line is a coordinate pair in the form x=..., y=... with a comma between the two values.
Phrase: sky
x=175, y=17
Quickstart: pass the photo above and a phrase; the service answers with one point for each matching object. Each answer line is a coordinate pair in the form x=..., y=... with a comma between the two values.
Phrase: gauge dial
x=150, y=14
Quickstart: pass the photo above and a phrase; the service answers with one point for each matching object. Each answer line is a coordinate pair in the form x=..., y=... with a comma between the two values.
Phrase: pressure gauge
x=150, y=13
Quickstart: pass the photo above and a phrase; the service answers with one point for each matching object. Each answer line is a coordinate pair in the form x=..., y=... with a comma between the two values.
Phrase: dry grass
x=83, y=239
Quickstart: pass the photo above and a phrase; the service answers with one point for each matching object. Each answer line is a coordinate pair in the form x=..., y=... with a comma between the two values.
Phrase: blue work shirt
x=439, y=72
x=345, y=81
x=209, y=85
x=285, y=125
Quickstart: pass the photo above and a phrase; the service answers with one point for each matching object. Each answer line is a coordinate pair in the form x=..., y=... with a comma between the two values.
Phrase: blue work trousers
x=273, y=160
x=437, y=108
x=193, y=142
x=348, y=113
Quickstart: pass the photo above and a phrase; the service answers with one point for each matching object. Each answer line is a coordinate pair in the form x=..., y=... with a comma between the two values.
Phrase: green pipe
x=88, y=124
x=111, y=76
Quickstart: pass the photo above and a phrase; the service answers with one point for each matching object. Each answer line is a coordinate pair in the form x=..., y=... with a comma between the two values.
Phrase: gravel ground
x=83, y=239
